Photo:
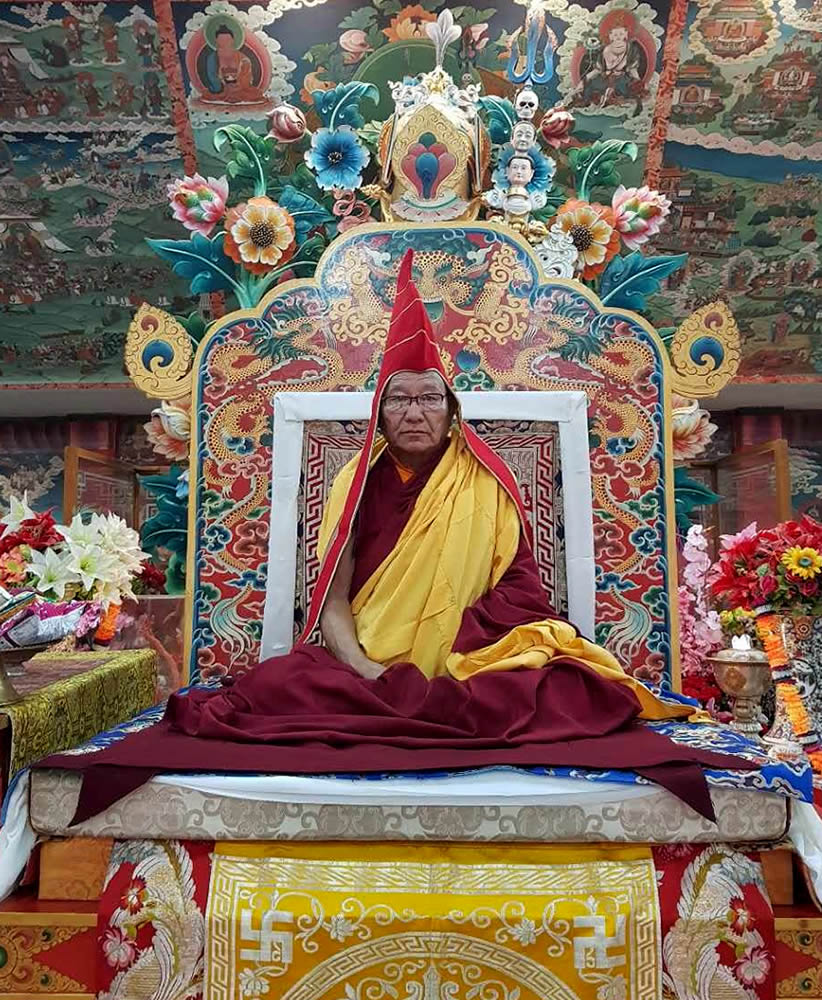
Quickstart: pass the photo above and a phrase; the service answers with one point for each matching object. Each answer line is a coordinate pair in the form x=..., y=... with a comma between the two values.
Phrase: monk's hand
x=368, y=668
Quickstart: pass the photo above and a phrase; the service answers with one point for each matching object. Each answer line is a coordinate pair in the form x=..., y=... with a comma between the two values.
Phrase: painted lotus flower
x=286, y=123
x=259, y=235
x=638, y=214
x=408, y=24
x=591, y=227
x=354, y=44
x=337, y=158
x=556, y=126
x=169, y=430
x=692, y=428
x=198, y=203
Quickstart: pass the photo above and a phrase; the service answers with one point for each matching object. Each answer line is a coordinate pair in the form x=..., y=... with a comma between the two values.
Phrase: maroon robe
x=306, y=713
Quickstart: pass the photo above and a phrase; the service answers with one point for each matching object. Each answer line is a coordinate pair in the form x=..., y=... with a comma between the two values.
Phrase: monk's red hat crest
x=410, y=345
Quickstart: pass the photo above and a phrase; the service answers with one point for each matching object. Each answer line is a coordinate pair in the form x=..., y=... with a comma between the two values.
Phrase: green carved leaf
x=627, y=281
x=501, y=118
x=249, y=154
x=595, y=166
x=200, y=259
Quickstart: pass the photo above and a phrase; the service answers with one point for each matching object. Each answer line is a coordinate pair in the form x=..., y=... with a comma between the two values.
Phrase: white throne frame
x=568, y=410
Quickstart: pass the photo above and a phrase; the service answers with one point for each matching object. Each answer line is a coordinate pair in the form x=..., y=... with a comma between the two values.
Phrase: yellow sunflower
x=591, y=227
x=802, y=562
x=259, y=235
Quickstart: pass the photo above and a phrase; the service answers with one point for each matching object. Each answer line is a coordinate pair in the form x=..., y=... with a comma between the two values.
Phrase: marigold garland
x=769, y=630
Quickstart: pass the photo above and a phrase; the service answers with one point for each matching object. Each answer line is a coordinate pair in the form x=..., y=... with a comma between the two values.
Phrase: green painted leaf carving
x=627, y=281
x=200, y=259
x=595, y=166
x=501, y=118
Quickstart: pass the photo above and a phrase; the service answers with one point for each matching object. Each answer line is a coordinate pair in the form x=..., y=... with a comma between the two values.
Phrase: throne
x=576, y=397
x=504, y=330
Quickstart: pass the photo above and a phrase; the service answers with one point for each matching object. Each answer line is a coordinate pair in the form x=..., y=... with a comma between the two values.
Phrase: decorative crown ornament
x=434, y=149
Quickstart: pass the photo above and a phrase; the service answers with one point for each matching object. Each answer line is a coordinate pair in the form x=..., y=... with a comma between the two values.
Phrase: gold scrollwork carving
x=159, y=354
x=705, y=352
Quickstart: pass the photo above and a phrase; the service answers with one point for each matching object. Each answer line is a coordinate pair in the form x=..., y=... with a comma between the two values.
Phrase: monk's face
x=414, y=427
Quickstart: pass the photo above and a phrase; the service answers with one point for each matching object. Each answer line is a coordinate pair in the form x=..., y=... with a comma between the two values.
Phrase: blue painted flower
x=337, y=158
x=216, y=538
x=544, y=169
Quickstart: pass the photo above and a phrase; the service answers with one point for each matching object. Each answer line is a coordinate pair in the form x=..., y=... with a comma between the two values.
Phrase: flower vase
x=108, y=625
x=784, y=640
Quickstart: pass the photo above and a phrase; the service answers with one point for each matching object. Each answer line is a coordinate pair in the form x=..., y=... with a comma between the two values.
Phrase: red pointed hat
x=409, y=347
x=410, y=344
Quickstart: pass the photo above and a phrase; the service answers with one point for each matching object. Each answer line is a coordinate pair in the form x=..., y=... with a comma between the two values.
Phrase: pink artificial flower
x=768, y=584
x=198, y=203
x=748, y=534
x=639, y=213
x=754, y=967
x=354, y=44
x=120, y=952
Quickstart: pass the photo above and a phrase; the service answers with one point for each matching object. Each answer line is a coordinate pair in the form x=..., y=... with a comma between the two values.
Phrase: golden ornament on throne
x=434, y=150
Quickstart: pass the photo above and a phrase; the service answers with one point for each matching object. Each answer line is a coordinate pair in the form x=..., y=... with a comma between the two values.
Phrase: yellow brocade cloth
x=374, y=921
x=460, y=539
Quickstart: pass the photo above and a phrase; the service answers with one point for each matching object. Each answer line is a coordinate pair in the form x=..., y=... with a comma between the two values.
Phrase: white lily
x=79, y=534
x=92, y=564
x=19, y=511
x=52, y=572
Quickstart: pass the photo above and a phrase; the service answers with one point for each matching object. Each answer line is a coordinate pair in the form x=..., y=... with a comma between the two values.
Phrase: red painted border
x=665, y=92
x=169, y=56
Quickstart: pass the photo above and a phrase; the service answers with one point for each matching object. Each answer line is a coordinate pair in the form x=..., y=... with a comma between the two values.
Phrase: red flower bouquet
x=779, y=567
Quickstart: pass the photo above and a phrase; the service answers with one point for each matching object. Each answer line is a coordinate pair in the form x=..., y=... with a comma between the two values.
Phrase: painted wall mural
x=103, y=104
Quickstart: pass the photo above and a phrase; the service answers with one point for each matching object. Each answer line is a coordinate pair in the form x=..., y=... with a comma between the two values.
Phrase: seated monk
x=442, y=648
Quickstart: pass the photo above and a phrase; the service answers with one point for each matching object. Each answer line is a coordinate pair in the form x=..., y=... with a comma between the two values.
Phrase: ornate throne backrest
x=540, y=435
x=502, y=326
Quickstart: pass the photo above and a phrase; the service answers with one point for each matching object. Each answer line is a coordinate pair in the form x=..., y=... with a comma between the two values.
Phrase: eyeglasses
x=427, y=401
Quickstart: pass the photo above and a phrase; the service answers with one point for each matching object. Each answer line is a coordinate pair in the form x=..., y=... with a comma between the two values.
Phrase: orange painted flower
x=591, y=227
x=259, y=235
x=409, y=24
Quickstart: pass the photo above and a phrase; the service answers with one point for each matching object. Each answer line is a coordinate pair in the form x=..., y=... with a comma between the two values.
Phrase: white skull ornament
x=526, y=104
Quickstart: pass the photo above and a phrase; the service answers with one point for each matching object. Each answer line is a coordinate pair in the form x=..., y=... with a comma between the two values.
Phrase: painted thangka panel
x=87, y=147
x=530, y=449
x=239, y=60
x=743, y=168
x=499, y=329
